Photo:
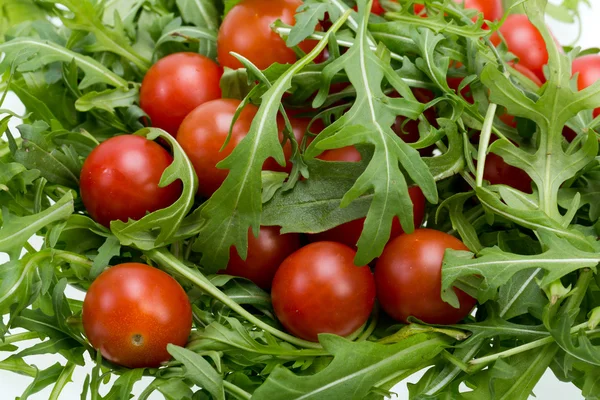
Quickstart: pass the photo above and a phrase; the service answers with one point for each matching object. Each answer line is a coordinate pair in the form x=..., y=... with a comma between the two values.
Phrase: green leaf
x=460, y=223
x=199, y=371
x=498, y=267
x=16, y=231
x=172, y=389
x=522, y=295
x=309, y=15
x=43, y=379
x=205, y=37
x=355, y=369
x=590, y=193
x=110, y=249
x=107, y=100
x=201, y=13
x=143, y=233
x=369, y=121
x=32, y=54
x=234, y=84
x=123, y=387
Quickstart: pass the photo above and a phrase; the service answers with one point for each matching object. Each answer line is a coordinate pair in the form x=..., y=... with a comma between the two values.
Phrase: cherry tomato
x=525, y=41
x=318, y=289
x=492, y=9
x=132, y=311
x=246, y=30
x=265, y=253
x=177, y=84
x=204, y=131
x=119, y=179
x=588, y=68
x=498, y=172
x=408, y=277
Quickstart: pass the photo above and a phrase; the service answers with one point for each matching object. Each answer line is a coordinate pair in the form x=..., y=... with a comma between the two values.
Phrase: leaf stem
x=63, y=379
x=484, y=142
x=528, y=346
x=19, y=337
x=166, y=259
x=236, y=390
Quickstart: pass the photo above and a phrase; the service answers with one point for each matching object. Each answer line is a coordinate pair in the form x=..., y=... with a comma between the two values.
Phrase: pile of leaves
x=77, y=65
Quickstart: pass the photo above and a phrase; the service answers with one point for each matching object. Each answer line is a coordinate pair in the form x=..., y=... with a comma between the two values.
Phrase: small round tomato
x=265, y=253
x=203, y=133
x=525, y=41
x=119, y=179
x=498, y=172
x=492, y=9
x=177, y=84
x=588, y=68
x=132, y=311
x=318, y=289
x=246, y=30
x=408, y=277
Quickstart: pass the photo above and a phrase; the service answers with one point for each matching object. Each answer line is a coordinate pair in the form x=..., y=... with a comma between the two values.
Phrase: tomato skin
x=119, y=180
x=350, y=232
x=132, y=302
x=498, y=172
x=265, y=254
x=204, y=131
x=318, y=289
x=377, y=8
x=492, y=9
x=525, y=41
x=246, y=30
x=177, y=84
x=588, y=68
x=408, y=277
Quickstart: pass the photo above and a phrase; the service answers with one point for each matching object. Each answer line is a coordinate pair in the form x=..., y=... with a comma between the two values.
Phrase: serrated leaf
x=201, y=13
x=199, y=371
x=107, y=100
x=108, y=250
x=307, y=18
x=122, y=389
x=205, y=37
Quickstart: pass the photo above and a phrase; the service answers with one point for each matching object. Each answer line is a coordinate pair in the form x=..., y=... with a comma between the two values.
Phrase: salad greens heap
x=77, y=65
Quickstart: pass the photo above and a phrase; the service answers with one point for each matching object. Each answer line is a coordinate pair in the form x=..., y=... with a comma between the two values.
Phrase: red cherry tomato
x=204, y=131
x=265, y=253
x=119, y=180
x=318, y=289
x=132, y=311
x=498, y=172
x=408, y=277
x=177, y=84
x=492, y=9
x=588, y=68
x=525, y=41
x=246, y=30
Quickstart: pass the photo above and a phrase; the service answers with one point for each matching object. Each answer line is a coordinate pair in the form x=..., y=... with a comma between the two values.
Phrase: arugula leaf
x=199, y=371
x=202, y=13
x=355, y=369
x=205, y=37
x=32, y=54
x=123, y=386
x=108, y=100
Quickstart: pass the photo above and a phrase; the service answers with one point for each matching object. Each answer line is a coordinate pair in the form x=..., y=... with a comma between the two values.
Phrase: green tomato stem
x=166, y=259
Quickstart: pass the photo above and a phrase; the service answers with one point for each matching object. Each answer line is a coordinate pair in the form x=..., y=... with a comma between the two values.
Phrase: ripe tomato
x=265, y=253
x=119, y=179
x=588, y=68
x=525, y=41
x=498, y=172
x=204, y=131
x=318, y=289
x=246, y=30
x=408, y=277
x=177, y=84
x=132, y=311
x=492, y=9
x=376, y=8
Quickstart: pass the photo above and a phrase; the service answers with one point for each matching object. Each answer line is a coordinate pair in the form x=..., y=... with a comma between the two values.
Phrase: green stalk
x=20, y=337
x=63, y=379
x=236, y=391
x=484, y=142
x=167, y=260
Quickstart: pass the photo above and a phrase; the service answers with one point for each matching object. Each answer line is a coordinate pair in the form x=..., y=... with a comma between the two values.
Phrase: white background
x=549, y=388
